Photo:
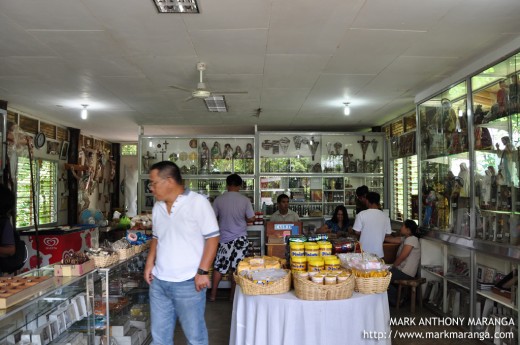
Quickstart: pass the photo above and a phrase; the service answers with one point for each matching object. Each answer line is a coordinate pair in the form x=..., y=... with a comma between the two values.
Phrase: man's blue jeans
x=169, y=301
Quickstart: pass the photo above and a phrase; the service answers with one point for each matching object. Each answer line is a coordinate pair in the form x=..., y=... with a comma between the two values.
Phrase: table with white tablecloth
x=284, y=319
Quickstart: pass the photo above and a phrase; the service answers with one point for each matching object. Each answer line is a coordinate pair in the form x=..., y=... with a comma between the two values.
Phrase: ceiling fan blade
x=189, y=99
x=229, y=92
x=181, y=88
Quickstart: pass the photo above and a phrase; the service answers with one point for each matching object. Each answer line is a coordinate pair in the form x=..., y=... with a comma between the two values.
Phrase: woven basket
x=307, y=290
x=104, y=261
x=125, y=253
x=249, y=288
x=373, y=285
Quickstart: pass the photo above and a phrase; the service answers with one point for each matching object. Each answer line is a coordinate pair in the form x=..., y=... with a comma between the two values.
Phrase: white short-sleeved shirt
x=181, y=235
x=373, y=225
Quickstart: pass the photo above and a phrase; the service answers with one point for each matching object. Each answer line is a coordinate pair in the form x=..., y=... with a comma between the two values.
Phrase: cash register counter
x=284, y=319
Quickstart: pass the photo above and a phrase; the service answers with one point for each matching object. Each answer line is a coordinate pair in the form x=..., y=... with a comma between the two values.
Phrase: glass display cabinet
x=318, y=171
x=444, y=166
x=52, y=313
x=497, y=135
x=204, y=162
x=469, y=177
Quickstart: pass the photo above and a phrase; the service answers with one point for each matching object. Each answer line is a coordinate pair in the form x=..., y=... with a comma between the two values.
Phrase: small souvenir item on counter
x=74, y=258
x=183, y=156
x=192, y=156
x=193, y=143
x=173, y=157
x=297, y=142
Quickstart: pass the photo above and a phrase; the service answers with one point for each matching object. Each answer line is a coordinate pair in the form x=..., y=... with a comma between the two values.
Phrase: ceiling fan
x=202, y=91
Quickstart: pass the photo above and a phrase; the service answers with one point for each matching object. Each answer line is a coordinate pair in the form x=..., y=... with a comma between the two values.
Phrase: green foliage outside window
x=129, y=150
x=45, y=189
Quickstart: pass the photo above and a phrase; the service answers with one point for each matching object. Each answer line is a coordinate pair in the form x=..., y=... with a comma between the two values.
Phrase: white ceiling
x=298, y=61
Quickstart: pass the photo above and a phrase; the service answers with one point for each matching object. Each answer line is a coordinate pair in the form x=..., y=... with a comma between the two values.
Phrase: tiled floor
x=218, y=319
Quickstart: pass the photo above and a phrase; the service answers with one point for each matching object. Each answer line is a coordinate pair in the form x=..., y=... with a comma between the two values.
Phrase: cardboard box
x=74, y=270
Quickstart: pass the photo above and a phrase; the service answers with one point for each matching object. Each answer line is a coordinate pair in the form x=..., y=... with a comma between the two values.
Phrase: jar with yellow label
x=325, y=248
x=298, y=263
x=332, y=263
x=312, y=249
x=297, y=249
x=315, y=264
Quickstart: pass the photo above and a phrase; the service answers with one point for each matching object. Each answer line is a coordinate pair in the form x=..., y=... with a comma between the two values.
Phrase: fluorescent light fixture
x=461, y=113
x=346, y=109
x=216, y=104
x=177, y=6
x=84, y=112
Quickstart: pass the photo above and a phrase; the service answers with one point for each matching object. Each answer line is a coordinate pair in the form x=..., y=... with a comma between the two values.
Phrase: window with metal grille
x=45, y=190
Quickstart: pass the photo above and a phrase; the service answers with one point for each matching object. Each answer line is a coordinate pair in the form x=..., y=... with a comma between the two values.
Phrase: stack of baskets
x=308, y=290
x=251, y=288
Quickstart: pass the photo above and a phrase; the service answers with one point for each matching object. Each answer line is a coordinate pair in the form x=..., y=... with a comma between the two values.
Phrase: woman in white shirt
x=408, y=257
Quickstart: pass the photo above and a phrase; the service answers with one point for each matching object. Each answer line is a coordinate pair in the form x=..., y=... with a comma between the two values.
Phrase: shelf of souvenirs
x=494, y=248
x=441, y=157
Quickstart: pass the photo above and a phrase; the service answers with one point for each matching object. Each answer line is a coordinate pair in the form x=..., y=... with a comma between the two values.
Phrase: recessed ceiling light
x=177, y=6
x=216, y=104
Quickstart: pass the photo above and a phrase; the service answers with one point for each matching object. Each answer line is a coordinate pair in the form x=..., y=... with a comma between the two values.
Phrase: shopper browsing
x=372, y=225
x=233, y=211
x=183, y=247
x=338, y=224
x=408, y=256
x=284, y=214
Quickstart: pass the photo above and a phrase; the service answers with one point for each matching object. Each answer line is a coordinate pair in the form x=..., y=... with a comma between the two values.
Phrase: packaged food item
x=297, y=238
x=315, y=264
x=332, y=263
x=342, y=277
x=330, y=279
x=297, y=249
x=325, y=248
x=299, y=263
x=312, y=249
x=317, y=237
x=318, y=278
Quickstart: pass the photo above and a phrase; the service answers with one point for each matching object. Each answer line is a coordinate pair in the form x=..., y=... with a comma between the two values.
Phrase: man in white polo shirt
x=184, y=244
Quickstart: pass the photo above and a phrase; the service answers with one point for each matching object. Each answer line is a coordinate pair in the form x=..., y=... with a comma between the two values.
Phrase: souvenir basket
x=104, y=260
x=125, y=253
x=250, y=288
x=307, y=290
x=372, y=285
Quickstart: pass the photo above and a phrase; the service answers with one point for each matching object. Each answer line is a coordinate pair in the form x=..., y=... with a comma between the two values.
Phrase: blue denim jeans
x=169, y=301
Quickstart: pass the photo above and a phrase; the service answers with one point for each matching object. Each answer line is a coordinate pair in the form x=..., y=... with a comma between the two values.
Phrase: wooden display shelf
x=16, y=289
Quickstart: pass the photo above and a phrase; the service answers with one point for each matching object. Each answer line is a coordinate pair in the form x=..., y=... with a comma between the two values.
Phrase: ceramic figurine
x=249, y=151
x=216, y=153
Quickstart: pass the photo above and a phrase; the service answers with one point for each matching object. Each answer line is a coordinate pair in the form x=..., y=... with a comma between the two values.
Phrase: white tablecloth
x=286, y=320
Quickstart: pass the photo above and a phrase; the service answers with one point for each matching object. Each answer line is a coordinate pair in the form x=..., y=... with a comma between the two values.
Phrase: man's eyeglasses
x=155, y=183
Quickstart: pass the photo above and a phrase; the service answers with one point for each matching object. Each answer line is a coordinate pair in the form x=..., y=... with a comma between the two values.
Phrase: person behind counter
x=284, y=214
x=184, y=243
x=361, y=198
x=408, y=256
x=7, y=202
x=233, y=211
x=338, y=224
x=372, y=225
